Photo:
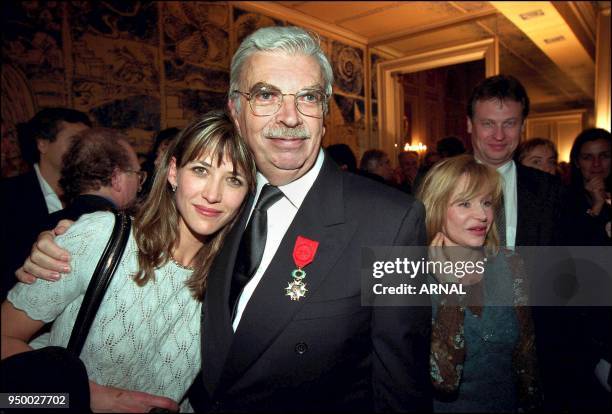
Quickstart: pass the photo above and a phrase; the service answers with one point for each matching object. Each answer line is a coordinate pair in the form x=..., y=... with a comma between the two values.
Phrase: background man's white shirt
x=508, y=173
x=51, y=199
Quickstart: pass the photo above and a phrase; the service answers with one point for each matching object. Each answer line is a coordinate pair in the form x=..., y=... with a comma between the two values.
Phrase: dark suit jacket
x=541, y=215
x=326, y=352
x=82, y=204
x=24, y=212
x=539, y=208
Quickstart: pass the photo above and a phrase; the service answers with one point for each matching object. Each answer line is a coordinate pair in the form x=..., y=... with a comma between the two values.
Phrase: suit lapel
x=320, y=218
x=524, y=204
x=216, y=318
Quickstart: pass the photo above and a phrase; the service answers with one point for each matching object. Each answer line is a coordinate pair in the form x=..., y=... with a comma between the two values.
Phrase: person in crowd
x=538, y=153
x=375, y=164
x=483, y=356
x=588, y=224
x=160, y=144
x=343, y=155
x=429, y=159
x=497, y=110
x=530, y=215
x=28, y=199
x=100, y=172
x=146, y=336
x=271, y=305
x=588, y=200
x=449, y=147
x=405, y=174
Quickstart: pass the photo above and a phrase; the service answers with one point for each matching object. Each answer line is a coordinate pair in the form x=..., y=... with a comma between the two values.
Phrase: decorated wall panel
x=142, y=66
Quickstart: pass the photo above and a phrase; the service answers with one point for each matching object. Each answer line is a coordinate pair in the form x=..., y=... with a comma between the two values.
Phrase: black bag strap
x=99, y=282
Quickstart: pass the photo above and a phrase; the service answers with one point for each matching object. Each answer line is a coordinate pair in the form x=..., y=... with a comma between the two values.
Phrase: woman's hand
x=47, y=260
x=117, y=400
x=596, y=188
x=443, y=250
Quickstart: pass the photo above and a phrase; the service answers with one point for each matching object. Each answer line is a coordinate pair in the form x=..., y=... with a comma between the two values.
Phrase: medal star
x=296, y=290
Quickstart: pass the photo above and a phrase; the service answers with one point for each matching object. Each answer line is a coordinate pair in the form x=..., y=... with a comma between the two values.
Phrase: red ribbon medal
x=303, y=254
x=304, y=251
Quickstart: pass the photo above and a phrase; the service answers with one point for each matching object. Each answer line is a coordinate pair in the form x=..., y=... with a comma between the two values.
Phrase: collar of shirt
x=507, y=169
x=51, y=198
x=296, y=190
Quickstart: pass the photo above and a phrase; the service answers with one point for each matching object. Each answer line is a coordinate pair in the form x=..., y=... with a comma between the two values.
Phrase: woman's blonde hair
x=156, y=226
x=440, y=182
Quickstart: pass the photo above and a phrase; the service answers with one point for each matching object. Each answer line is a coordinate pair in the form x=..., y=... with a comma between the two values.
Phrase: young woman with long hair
x=146, y=335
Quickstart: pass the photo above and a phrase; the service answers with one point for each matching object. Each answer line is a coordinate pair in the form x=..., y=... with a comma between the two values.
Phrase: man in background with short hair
x=100, y=172
x=29, y=198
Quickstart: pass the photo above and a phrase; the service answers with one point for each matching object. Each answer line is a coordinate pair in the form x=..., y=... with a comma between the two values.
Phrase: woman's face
x=594, y=159
x=207, y=196
x=541, y=158
x=468, y=221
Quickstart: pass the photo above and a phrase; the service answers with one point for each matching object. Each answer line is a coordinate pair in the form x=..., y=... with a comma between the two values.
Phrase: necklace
x=173, y=260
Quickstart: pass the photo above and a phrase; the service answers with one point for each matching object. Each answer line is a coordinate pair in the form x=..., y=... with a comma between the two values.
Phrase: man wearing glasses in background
x=100, y=171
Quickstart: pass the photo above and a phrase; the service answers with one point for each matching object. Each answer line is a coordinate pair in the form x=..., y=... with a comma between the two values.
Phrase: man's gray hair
x=291, y=40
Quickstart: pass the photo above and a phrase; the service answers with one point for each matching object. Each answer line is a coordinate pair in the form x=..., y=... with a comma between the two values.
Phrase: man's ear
x=231, y=105
x=172, y=172
x=42, y=145
x=469, y=125
x=117, y=180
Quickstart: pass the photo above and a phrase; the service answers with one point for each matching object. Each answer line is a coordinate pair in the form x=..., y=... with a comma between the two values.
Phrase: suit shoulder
x=370, y=193
x=538, y=180
x=18, y=182
x=20, y=187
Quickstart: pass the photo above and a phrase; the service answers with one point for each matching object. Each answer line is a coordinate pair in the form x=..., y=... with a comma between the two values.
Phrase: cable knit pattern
x=143, y=338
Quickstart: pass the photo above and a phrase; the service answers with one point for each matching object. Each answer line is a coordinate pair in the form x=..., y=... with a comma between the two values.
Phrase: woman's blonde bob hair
x=440, y=183
x=156, y=226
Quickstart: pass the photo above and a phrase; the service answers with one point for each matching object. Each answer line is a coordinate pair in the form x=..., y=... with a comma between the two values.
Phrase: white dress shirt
x=508, y=173
x=280, y=216
x=51, y=199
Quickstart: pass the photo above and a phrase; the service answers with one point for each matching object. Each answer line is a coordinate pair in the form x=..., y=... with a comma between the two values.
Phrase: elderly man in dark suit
x=269, y=342
x=283, y=327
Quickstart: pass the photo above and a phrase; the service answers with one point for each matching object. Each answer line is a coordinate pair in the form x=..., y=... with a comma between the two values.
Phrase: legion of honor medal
x=303, y=254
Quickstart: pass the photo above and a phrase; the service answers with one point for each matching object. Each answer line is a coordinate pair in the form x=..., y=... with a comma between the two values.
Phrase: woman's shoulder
x=92, y=226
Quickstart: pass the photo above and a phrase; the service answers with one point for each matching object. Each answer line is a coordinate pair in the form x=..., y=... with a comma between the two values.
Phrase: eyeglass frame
x=142, y=175
x=249, y=97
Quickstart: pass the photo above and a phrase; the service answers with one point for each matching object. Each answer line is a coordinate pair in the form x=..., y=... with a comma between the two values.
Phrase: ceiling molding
x=536, y=69
x=302, y=19
x=440, y=25
x=582, y=20
x=567, y=53
x=370, y=12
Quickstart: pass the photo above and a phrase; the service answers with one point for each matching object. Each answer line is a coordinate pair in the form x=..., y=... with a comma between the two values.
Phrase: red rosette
x=304, y=251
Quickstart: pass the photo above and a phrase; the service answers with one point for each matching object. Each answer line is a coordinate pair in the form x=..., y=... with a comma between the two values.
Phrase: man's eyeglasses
x=142, y=175
x=266, y=100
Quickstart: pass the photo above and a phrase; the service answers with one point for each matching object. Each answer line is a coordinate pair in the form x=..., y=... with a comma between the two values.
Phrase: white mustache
x=283, y=132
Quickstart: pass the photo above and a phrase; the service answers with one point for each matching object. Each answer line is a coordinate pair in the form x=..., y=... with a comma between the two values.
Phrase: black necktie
x=253, y=242
x=500, y=222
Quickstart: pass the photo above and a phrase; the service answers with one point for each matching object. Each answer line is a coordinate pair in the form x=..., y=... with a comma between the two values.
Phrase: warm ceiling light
x=532, y=14
x=554, y=39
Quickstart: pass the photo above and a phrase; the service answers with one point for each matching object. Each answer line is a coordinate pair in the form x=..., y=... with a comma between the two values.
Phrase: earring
x=174, y=188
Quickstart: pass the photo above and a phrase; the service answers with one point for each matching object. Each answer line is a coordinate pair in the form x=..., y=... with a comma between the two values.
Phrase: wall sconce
x=420, y=147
